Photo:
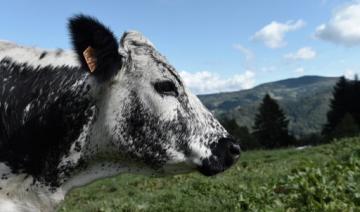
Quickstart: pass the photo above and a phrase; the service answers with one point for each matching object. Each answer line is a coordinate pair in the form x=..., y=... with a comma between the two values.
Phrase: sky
x=216, y=46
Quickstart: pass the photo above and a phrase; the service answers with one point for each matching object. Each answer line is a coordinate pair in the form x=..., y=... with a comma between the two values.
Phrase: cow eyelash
x=167, y=88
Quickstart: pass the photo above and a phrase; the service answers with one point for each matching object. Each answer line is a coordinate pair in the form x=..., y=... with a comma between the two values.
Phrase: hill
x=322, y=178
x=305, y=100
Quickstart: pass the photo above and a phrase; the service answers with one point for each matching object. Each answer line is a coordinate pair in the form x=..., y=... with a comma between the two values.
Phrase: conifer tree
x=241, y=134
x=356, y=100
x=338, y=106
x=344, y=109
x=271, y=126
x=346, y=127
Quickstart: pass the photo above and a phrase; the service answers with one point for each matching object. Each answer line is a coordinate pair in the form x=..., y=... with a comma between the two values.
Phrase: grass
x=322, y=178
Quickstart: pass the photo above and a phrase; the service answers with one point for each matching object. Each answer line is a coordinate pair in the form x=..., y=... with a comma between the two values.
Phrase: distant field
x=323, y=178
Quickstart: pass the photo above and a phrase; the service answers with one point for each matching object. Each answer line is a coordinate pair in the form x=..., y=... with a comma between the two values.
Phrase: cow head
x=146, y=115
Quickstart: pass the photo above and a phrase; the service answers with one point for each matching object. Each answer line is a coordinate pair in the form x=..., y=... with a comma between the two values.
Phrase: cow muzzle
x=224, y=153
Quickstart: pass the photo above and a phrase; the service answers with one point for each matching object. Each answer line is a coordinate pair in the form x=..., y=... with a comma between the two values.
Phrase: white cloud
x=273, y=34
x=249, y=55
x=350, y=73
x=343, y=28
x=268, y=69
x=299, y=71
x=206, y=82
x=305, y=53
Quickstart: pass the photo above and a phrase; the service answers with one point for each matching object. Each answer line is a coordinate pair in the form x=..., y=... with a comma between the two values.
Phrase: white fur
x=113, y=100
x=31, y=56
x=19, y=193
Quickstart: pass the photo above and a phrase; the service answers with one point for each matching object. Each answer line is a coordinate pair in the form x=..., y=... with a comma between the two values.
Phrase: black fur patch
x=87, y=31
x=144, y=139
x=43, y=54
x=147, y=137
x=42, y=111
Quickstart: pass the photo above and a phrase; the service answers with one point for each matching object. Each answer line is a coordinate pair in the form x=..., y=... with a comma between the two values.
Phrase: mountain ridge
x=305, y=100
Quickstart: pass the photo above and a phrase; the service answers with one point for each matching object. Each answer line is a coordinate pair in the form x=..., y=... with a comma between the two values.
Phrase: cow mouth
x=213, y=165
x=224, y=154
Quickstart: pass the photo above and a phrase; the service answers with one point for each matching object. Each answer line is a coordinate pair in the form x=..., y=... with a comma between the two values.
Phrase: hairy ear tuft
x=95, y=45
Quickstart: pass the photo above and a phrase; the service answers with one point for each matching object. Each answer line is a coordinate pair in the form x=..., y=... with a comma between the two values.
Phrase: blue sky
x=215, y=45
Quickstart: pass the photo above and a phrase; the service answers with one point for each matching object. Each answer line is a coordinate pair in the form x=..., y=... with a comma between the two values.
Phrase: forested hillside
x=305, y=100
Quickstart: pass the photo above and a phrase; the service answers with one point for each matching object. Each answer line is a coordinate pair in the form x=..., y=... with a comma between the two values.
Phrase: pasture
x=325, y=177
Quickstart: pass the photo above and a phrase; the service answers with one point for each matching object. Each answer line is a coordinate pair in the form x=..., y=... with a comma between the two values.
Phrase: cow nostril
x=227, y=145
x=225, y=152
x=234, y=149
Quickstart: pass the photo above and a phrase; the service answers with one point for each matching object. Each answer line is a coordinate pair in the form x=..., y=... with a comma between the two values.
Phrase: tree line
x=270, y=129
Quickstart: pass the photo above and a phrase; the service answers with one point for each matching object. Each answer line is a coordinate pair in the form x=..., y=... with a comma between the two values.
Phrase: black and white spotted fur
x=62, y=126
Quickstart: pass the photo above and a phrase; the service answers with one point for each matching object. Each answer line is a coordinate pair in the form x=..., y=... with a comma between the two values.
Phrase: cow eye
x=166, y=88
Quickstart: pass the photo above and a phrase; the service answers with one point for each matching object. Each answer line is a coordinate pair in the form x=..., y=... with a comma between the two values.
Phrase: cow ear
x=95, y=45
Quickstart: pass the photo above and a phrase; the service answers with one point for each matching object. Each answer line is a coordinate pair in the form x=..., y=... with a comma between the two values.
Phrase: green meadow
x=321, y=178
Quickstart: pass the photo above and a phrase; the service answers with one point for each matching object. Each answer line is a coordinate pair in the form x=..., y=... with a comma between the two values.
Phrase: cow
x=68, y=118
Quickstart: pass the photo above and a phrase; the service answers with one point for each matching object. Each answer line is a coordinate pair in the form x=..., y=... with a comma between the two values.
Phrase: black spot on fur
x=87, y=31
x=43, y=54
x=4, y=177
x=41, y=114
x=58, y=52
x=77, y=146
